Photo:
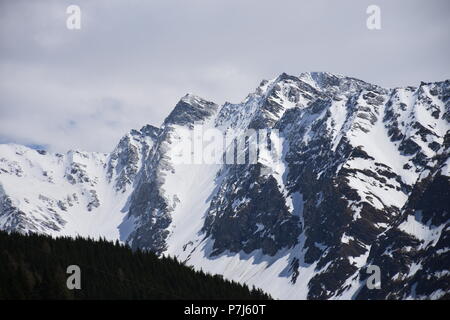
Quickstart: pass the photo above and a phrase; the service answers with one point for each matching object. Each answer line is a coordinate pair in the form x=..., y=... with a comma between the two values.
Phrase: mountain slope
x=349, y=169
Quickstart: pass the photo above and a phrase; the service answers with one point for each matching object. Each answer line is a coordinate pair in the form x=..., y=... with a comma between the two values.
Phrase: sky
x=132, y=61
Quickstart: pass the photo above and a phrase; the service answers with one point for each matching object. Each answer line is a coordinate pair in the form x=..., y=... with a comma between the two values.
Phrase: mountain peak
x=191, y=109
x=147, y=130
x=191, y=98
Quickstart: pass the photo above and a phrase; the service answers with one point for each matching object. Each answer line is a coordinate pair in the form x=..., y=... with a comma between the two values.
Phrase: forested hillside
x=34, y=267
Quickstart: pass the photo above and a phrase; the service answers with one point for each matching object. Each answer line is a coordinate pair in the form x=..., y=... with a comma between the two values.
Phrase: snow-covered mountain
x=361, y=178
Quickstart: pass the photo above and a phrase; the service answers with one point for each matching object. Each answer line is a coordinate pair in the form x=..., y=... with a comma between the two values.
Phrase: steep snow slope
x=76, y=193
x=358, y=175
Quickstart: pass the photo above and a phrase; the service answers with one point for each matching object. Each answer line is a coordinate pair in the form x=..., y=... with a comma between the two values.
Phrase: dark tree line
x=34, y=267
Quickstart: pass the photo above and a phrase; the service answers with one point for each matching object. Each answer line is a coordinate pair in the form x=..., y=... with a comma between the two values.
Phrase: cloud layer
x=133, y=60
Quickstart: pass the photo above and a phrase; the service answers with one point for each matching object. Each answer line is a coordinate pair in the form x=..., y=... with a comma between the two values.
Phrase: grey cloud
x=133, y=60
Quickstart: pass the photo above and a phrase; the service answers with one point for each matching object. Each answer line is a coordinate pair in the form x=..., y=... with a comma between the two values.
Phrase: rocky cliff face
x=356, y=175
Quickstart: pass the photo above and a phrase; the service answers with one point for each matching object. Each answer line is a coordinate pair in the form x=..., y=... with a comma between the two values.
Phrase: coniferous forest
x=35, y=267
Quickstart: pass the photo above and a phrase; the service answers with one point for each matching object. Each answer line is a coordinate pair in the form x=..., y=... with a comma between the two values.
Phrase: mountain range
x=361, y=179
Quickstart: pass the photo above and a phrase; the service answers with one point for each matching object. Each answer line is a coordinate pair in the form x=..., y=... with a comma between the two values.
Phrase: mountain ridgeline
x=362, y=179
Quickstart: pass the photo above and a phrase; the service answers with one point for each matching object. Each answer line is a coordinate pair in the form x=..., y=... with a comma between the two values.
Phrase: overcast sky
x=133, y=60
